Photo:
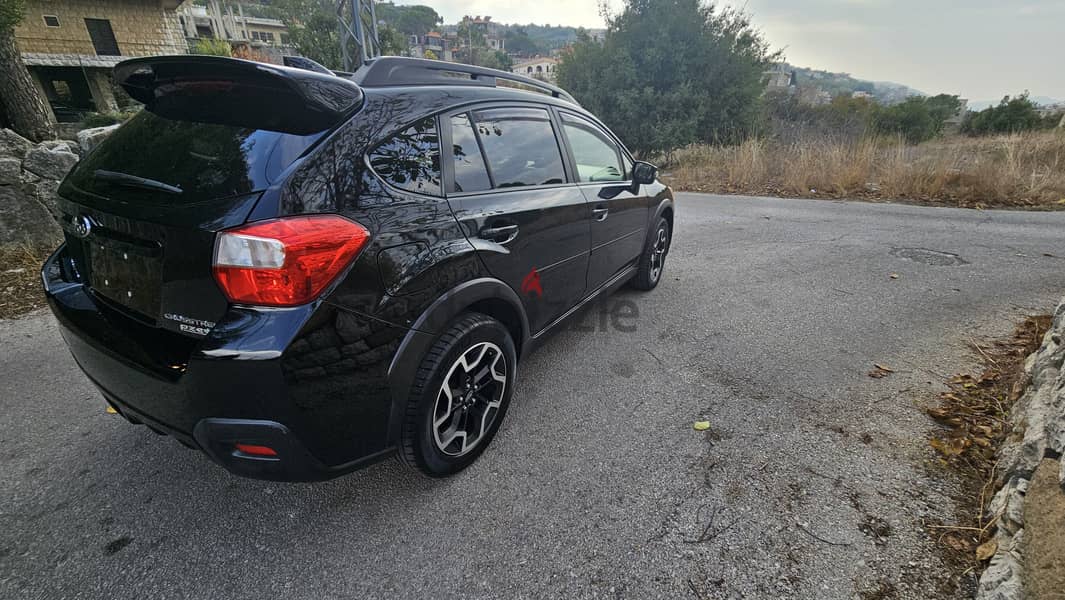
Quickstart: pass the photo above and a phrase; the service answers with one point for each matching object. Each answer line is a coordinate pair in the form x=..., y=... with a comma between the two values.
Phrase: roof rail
x=388, y=71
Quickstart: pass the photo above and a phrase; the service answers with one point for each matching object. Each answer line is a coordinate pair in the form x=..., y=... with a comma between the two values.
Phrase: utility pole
x=359, y=43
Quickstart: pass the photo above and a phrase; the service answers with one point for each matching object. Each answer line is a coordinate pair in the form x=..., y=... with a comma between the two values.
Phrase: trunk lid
x=140, y=211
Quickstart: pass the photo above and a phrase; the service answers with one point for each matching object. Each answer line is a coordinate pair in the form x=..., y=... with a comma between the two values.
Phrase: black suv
x=301, y=272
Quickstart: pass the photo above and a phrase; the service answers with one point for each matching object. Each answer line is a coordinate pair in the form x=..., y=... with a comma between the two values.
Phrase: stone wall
x=142, y=27
x=1037, y=441
x=29, y=179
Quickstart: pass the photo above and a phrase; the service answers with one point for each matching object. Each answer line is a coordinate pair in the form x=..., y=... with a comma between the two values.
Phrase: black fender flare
x=430, y=324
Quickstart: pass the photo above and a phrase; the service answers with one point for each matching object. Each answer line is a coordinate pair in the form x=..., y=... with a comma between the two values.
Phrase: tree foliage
x=410, y=20
x=671, y=72
x=518, y=41
x=11, y=13
x=315, y=32
x=211, y=47
x=1012, y=115
x=917, y=119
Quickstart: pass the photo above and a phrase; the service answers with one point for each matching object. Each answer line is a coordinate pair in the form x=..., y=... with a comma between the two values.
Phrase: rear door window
x=470, y=173
x=410, y=160
x=520, y=146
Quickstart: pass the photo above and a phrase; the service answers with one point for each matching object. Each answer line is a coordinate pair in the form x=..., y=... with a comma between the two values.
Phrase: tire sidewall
x=431, y=460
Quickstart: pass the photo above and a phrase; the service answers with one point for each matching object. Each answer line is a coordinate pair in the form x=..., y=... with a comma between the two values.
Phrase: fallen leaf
x=949, y=447
x=986, y=550
x=880, y=371
x=701, y=425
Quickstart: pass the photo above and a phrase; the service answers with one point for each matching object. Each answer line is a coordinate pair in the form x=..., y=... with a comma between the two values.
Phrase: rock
x=13, y=144
x=47, y=193
x=24, y=220
x=10, y=170
x=90, y=138
x=56, y=145
x=49, y=163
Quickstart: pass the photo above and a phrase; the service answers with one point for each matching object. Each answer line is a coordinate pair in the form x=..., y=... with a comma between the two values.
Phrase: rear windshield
x=192, y=161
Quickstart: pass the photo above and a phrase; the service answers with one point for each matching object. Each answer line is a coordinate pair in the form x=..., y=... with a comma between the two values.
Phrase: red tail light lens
x=285, y=262
x=255, y=450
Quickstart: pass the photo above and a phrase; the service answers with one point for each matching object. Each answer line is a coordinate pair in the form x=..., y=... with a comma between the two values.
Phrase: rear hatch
x=140, y=212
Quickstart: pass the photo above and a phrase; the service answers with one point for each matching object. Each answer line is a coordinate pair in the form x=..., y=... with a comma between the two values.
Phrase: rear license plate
x=127, y=277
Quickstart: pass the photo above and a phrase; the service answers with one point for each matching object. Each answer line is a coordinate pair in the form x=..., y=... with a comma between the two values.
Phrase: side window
x=470, y=172
x=520, y=146
x=410, y=160
x=596, y=155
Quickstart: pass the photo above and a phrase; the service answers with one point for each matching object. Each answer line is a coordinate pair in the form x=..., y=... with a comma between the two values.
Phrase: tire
x=653, y=258
x=439, y=426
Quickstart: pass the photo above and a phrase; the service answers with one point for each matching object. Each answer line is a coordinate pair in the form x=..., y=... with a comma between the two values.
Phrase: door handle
x=601, y=213
x=501, y=235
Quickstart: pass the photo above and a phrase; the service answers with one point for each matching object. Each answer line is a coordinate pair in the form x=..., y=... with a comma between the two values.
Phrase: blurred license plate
x=126, y=277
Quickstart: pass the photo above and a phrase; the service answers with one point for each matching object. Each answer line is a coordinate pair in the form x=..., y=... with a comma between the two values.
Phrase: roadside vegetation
x=974, y=416
x=20, y=279
x=1020, y=170
x=684, y=84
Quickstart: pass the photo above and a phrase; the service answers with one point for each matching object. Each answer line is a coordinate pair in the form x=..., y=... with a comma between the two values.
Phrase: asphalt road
x=769, y=317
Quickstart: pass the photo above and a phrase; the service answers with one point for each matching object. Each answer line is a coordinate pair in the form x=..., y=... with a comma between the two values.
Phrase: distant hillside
x=886, y=92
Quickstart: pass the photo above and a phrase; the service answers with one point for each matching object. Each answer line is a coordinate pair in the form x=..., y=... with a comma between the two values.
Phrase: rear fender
x=434, y=321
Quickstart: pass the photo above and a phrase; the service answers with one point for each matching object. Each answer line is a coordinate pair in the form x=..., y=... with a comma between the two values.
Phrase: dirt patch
x=974, y=414
x=1044, y=527
x=20, y=280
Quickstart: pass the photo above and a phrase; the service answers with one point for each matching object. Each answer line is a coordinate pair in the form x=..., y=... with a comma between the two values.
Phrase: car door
x=509, y=187
x=619, y=208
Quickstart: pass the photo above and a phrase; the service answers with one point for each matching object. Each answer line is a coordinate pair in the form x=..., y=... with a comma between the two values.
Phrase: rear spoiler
x=229, y=91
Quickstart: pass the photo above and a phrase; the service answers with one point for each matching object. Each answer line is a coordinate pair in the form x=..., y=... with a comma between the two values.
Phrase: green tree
x=393, y=43
x=1012, y=115
x=495, y=60
x=410, y=20
x=519, y=42
x=22, y=103
x=672, y=72
x=910, y=118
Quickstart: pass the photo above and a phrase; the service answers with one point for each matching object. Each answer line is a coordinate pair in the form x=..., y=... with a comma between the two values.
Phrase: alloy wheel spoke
x=469, y=399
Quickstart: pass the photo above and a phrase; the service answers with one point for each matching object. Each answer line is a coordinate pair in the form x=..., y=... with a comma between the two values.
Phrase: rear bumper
x=259, y=378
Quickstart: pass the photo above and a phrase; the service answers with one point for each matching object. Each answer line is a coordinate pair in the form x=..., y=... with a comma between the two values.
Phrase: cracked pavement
x=809, y=483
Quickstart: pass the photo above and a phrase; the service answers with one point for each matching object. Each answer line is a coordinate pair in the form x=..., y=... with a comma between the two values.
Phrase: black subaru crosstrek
x=301, y=272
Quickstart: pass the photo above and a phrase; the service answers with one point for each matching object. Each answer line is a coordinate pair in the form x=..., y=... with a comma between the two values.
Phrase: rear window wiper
x=134, y=181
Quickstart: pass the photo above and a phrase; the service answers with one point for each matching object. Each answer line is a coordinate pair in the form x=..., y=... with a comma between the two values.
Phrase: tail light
x=285, y=262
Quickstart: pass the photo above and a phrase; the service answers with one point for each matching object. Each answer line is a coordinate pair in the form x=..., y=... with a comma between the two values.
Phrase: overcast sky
x=980, y=49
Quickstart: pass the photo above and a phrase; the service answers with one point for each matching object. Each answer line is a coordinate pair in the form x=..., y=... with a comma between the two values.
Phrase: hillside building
x=70, y=46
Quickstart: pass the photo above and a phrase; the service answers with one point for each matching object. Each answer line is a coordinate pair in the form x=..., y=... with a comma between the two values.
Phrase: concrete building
x=433, y=42
x=70, y=46
x=492, y=31
x=539, y=68
x=780, y=79
x=234, y=25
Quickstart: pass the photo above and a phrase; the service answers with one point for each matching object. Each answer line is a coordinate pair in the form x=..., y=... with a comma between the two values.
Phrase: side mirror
x=644, y=173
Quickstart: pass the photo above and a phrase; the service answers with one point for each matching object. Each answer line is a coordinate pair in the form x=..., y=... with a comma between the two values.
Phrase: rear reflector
x=285, y=262
x=254, y=450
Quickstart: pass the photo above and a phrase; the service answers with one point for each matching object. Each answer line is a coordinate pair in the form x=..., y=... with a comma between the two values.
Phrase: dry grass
x=20, y=280
x=974, y=414
x=1016, y=171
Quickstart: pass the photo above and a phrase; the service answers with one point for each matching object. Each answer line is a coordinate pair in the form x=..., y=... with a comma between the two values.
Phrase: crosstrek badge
x=190, y=325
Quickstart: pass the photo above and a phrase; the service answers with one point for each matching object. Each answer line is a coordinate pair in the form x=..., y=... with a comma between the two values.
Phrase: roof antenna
x=358, y=32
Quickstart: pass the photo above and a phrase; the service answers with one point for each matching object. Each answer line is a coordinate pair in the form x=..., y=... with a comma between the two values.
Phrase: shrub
x=211, y=47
